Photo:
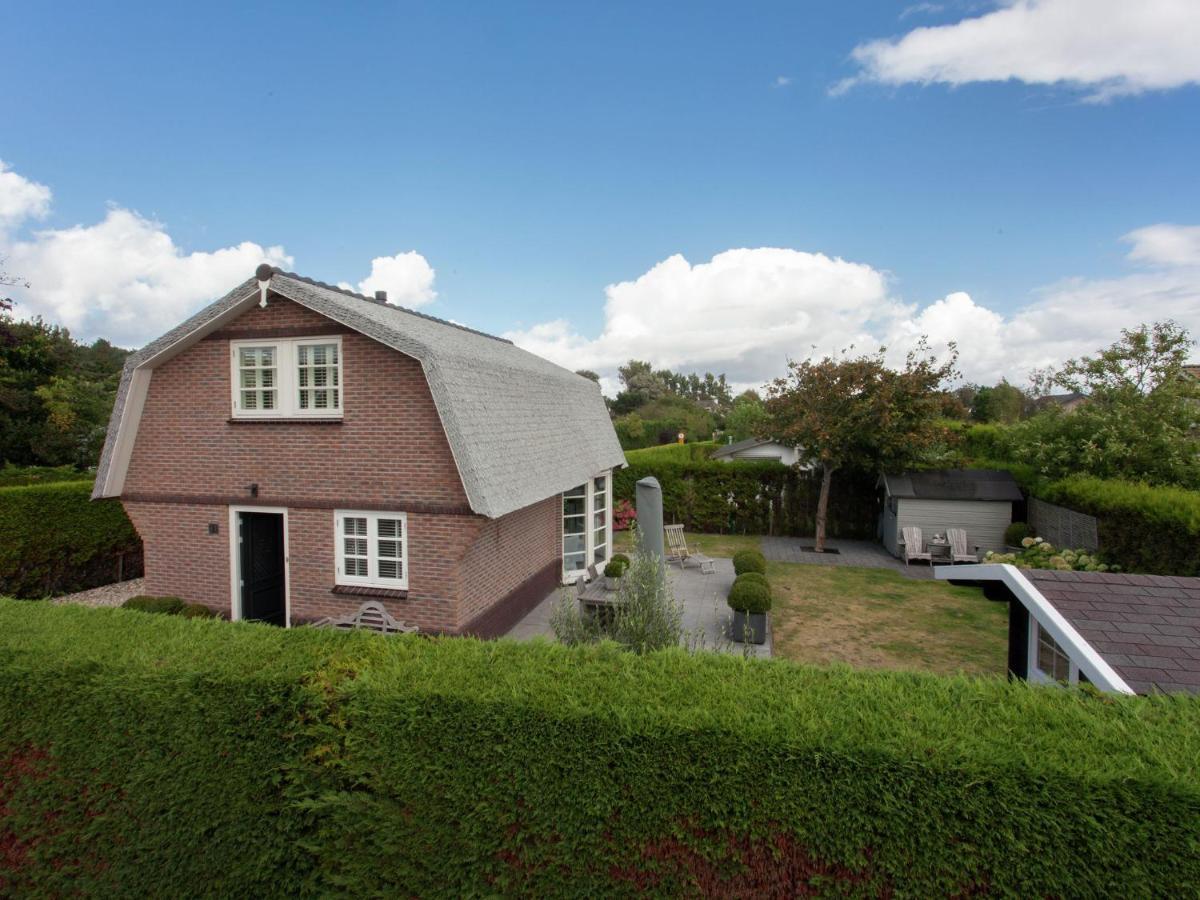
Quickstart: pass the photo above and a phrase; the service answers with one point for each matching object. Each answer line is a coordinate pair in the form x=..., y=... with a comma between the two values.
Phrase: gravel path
x=108, y=595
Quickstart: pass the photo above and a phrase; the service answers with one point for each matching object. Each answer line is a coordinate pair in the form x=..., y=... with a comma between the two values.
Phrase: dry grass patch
x=874, y=618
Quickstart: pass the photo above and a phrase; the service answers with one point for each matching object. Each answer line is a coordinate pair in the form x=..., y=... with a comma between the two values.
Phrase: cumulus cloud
x=20, y=199
x=746, y=312
x=1165, y=245
x=407, y=278
x=1108, y=47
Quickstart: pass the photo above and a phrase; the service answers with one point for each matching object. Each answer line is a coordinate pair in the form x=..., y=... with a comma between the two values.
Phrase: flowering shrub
x=623, y=515
x=1040, y=554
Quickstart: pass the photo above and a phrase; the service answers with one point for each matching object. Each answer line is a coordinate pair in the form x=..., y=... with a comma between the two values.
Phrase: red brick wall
x=190, y=463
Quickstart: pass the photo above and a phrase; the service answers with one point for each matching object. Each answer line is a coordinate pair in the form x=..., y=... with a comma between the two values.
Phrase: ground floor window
x=587, y=526
x=372, y=549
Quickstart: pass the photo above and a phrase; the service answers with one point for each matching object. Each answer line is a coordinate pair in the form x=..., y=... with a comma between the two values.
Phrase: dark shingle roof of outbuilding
x=1147, y=627
x=954, y=484
x=738, y=447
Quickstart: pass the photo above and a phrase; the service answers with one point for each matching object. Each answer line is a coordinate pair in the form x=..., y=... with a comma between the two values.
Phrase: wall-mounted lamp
x=254, y=490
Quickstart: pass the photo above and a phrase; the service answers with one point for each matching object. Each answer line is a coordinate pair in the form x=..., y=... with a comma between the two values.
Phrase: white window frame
x=590, y=542
x=370, y=579
x=287, y=379
x=1036, y=674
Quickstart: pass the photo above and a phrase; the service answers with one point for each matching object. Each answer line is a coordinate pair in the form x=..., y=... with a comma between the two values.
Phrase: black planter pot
x=748, y=628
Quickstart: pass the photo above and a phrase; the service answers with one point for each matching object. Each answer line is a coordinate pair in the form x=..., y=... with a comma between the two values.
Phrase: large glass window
x=587, y=526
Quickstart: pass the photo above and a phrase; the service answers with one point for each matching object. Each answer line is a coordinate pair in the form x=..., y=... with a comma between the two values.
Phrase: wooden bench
x=371, y=616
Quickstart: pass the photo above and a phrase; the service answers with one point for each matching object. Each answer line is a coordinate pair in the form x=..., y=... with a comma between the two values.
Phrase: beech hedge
x=55, y=540
x=148, y=754
x=754, y=497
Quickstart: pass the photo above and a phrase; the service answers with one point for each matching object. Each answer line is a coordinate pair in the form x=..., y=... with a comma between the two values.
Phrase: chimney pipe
x=381, y=296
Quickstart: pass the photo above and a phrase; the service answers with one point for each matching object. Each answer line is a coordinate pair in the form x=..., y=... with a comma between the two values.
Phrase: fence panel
x=1064, y=527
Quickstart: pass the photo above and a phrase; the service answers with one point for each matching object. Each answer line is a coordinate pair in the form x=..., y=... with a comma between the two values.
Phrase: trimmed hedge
x=149, y=753
x=754, y=497
x=749, y=596
x=1142, y=528
x=697, y=451
x=749, y=561
x=756, y=577
x=13, y=476
x=55, y=540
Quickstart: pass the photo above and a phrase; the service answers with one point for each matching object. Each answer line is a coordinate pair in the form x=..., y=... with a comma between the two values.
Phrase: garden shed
x=980, y=501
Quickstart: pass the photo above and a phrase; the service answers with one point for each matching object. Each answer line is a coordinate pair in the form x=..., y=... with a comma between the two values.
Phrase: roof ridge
x=412, y=312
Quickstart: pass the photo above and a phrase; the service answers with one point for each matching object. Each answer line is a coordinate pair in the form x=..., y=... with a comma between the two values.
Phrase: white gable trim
x=1083, y=654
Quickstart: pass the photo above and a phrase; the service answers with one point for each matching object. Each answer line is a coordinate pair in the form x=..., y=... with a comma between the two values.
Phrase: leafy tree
x=1140, y=421
x=588, y=374
x=1003, y=403
x=856, y=412
x=748, y=418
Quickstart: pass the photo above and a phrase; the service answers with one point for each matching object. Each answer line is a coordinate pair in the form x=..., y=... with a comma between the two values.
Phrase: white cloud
x=1166, y=245
x=122, y=278
x=1109, y=47
x=407, y=278
x=781, y=81
x=20, y=199
x=921, y=9
x=746, y=312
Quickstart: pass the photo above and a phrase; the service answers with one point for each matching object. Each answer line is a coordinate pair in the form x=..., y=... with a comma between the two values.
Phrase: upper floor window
x=300, y=377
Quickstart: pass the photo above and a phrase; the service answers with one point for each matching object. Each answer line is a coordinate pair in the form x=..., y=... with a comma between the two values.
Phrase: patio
x=857, y=554
x=705, y=613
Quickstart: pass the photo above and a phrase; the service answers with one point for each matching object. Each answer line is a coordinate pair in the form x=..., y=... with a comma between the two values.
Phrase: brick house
x=294, y=448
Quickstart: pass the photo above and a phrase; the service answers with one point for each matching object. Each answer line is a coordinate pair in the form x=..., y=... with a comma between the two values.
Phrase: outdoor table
x=939, y=549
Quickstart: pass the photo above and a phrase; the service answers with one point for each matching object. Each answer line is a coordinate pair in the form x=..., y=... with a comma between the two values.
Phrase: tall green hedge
x=55, y=540
x=149, y=754
x=1141, y=528
x=11, y=476
x=753, y=497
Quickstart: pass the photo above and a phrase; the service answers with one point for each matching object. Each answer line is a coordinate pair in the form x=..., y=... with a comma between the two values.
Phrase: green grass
x=876, y=618
x=722, y=545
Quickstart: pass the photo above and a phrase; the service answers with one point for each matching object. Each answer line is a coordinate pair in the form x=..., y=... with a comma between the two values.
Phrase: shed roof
x=521, y=428
x=739, y=446
x=954, y=484
x=1147, y=627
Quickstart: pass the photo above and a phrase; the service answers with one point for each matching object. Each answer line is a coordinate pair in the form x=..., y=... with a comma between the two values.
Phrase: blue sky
x=534, y=154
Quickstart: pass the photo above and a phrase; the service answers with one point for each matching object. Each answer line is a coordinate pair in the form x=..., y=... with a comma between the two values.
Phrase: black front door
x=262, y=572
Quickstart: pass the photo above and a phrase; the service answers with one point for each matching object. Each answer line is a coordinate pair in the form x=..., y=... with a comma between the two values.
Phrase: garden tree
x=748, y=418
x=588, y=374
x=1003, y=403
x=1140, y=421
x=856, y=412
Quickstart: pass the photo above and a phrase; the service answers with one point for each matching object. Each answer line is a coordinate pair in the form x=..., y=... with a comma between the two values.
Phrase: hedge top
x=953, y=722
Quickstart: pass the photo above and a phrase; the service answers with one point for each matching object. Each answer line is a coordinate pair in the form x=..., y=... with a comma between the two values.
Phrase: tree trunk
x=823, y=505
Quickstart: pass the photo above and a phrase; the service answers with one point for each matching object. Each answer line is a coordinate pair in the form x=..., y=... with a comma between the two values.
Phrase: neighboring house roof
x=1145, y=629
x=521, y=429
x=1066, y=401
x=1192, y=369
x=954, y=484
x=738, y=446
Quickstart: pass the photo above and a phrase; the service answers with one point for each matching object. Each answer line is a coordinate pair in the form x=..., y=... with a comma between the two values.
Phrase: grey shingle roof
x=738, y=447
x=521, y=428
x=1147, y=627
x=954, y=484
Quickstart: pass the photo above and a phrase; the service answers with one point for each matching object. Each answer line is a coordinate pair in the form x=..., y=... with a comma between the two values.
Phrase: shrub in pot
x=613, y=572
x=750, y=599
x=749, y=561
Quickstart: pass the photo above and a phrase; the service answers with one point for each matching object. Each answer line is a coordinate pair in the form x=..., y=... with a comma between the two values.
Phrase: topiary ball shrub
x=1017, y=532
x=756, y=578
x=749, y=561
x=197, y=611
x=621, y=558
x=615, y=568
x=749, y=597
x=171, y=606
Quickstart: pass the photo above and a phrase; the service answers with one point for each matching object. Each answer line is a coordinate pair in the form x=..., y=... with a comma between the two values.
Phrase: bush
x=697, y=451
x=197, y=611
x=1017, y=532
x=170, y=606
x=754, y=497
x=749, y=596
x=1142, y=528
x=1039, y=554
x=13, y=476
x=621, y=558
x=756, y=578
x=624, y=516
x=305, y=762
x=749, y=561
x=614, y=569
x=55, y=540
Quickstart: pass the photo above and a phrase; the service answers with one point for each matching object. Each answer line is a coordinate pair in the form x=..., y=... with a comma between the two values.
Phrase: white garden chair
x=677, y=551
x=960, y=551
x=914, y=545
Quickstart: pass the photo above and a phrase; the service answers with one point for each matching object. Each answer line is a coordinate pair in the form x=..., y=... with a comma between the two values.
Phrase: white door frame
x=235, y=562
x=589, y=532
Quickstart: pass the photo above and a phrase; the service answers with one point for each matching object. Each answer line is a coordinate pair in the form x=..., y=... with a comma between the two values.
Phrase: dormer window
x=287, y=379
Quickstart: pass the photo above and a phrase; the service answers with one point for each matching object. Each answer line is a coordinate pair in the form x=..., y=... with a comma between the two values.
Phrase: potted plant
x=750, y=599
x=614, y=570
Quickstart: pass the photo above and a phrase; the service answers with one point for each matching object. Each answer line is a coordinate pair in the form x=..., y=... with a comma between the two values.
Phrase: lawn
x=875, y=618
x=724, y=545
